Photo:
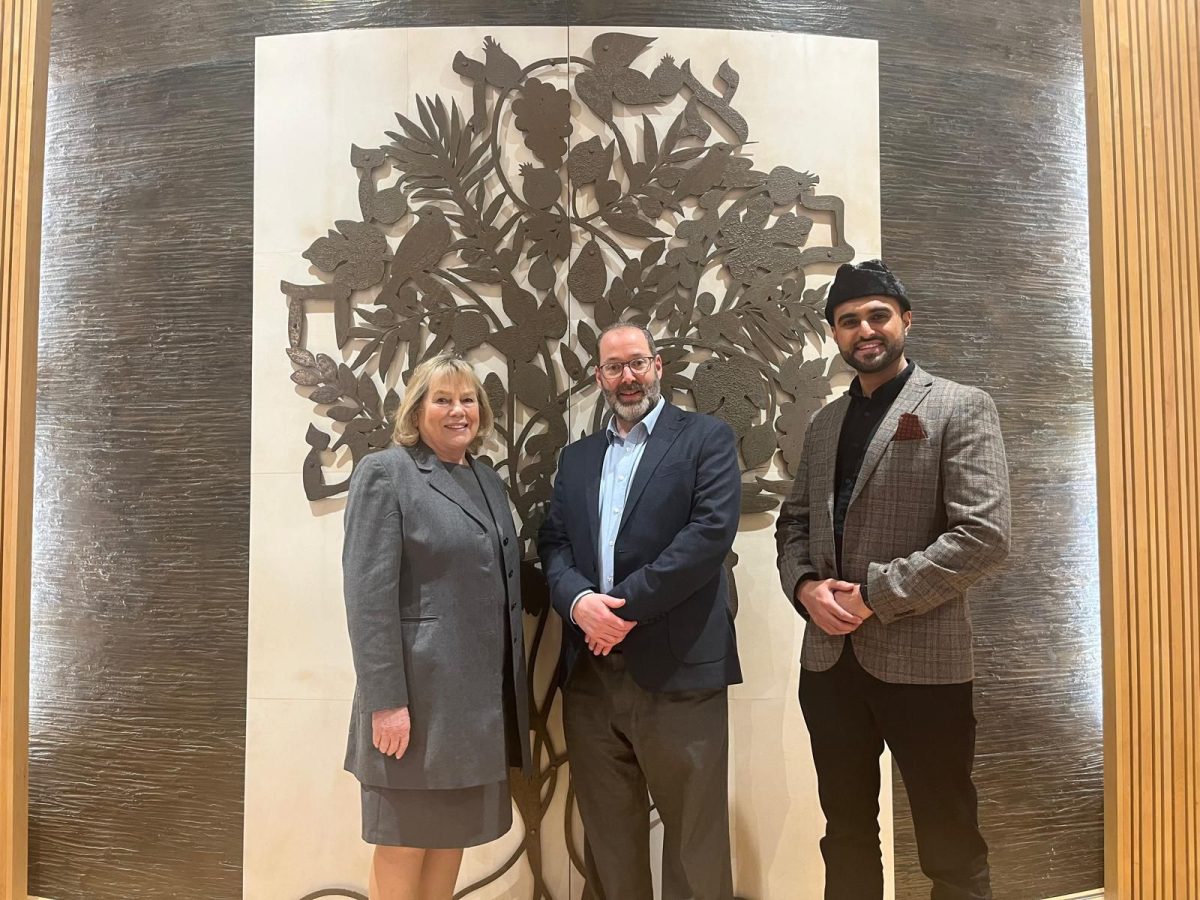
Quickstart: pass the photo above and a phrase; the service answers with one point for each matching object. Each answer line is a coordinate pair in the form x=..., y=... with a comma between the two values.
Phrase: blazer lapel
x=666, y=430
x=911, y=395
x=443, y=482
x=593, y=467
x=824, y=461
x=497, y=499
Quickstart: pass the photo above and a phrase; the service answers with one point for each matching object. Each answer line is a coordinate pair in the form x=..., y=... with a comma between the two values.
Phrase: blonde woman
x=431, y=571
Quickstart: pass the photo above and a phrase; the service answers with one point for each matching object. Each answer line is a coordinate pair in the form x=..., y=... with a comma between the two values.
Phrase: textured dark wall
x=140, y=571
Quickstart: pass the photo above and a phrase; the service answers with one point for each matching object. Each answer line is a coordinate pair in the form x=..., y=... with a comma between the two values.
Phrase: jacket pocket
x=675, y=465
x=698, y=635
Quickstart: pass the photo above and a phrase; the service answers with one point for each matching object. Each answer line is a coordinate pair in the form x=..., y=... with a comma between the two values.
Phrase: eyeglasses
x=638, y=366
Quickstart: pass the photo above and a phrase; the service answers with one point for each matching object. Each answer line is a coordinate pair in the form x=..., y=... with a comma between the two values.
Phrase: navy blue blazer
x=669, y=560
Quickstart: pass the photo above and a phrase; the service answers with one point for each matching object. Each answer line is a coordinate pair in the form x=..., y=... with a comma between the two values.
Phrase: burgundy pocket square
x=909, y=429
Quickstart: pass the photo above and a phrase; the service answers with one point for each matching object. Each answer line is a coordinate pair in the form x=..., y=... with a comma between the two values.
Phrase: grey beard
x=635, y=412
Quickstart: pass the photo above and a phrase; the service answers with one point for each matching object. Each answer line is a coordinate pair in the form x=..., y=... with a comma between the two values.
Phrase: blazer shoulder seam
x=827, y=410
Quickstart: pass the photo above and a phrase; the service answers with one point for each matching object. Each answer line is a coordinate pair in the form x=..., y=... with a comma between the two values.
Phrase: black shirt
x=858, y=428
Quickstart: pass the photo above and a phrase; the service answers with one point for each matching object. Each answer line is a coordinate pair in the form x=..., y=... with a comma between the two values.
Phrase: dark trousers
x=930, y=729
x=623, y=741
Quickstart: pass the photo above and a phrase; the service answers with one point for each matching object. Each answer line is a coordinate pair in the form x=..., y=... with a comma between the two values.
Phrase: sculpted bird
x=612, y=53
x=633, y=88
x=502, y=70
x=498, y=69
x=387, y=206
x=420, y=250
x=613, y=49
x=706, y=174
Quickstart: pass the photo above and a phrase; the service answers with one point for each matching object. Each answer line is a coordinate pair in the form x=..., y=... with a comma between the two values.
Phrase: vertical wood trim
x=1142, y=74
x=24, y=57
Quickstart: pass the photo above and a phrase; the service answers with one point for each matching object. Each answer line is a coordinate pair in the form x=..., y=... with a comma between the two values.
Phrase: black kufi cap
x=866, y=279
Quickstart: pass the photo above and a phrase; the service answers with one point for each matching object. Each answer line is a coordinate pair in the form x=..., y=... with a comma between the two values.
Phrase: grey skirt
x=436, y=819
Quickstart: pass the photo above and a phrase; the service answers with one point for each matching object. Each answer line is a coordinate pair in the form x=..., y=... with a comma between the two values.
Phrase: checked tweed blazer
x=929, y=516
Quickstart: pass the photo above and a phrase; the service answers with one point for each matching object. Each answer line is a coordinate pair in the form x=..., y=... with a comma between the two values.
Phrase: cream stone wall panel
x=285, y=649
x=299, y=651
x=298, y=647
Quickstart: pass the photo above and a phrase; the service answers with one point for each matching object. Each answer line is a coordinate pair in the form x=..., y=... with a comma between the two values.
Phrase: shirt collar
x=649, y=421
x=886, y=392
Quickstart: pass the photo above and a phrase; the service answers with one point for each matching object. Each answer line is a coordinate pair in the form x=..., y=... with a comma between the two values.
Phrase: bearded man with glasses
x=643, y=516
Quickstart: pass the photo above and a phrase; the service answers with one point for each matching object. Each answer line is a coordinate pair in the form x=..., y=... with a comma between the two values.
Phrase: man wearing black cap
x=900, y=504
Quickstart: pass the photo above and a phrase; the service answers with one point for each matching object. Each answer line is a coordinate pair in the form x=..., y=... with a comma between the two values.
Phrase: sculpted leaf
x=587, y=338
x=519, y=304
x=301, y=357
x=571, y=363
x=724, y=388
x=515, y=343
x=306, y=376
x=758, y=445
x=542, y=275
x=470, y=330
x=328, y=393
x=627, y=223
x=531, y=385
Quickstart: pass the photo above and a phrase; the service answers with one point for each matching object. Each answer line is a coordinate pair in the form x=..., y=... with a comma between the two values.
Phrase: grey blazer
x=426, y=595
x=927, y=519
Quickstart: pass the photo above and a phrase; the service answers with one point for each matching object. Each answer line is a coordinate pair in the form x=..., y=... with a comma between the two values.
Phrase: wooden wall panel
x=1143, y=90
x=24, y=52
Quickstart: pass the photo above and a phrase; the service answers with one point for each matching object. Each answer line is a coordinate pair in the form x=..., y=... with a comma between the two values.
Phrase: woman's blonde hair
x=423, y=377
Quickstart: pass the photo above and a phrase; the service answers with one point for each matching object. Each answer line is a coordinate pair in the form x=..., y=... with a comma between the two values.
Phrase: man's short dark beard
x=891, y=353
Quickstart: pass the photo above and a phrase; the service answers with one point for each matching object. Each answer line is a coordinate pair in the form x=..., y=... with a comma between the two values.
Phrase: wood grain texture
x=24, y=55
x=143, y=457
x=1144, y=128
x=143, y=478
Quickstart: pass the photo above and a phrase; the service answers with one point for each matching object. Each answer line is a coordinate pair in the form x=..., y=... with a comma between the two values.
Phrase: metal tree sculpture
x=703, y=222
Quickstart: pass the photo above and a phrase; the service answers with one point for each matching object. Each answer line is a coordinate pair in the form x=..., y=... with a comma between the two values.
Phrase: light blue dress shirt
x=621, y=461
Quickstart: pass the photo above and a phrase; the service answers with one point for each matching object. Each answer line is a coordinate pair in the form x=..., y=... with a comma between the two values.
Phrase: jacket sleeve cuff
x=796, y=604
x=887, y=606
x=374, y=700
x=578, y=597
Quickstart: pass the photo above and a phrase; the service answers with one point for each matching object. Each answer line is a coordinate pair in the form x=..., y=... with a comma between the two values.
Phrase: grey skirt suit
x=433, y=604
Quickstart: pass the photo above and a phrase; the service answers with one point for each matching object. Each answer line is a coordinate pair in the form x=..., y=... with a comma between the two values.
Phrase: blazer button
x=510, y=573
x=506, y=542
